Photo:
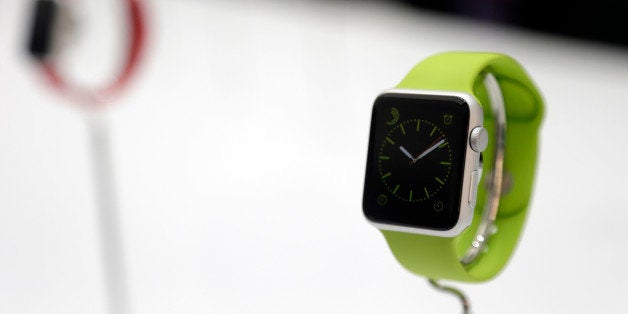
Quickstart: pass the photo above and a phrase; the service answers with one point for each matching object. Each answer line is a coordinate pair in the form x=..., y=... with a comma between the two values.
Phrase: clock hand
x=432, y=147
x=405, y=152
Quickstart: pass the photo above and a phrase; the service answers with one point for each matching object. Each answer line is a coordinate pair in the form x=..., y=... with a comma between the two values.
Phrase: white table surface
x=240, y=152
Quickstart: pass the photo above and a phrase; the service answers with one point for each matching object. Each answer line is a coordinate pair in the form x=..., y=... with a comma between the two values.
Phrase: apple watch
x=451, y=163
x=50, y=21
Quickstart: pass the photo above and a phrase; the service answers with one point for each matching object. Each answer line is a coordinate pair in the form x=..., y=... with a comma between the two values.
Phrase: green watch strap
x=439, y=257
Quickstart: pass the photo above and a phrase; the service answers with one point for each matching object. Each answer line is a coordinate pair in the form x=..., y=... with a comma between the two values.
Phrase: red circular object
x=96, y=98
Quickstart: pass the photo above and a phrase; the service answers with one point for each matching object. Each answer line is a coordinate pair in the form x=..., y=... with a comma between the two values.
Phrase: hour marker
x=410, y=195
x=443, y=145
x=433, y=130
x=402, y=129
x=395, y=189
x=418, y=125
x=439, y=180
x=389, y=140
x=447, y=163
x=386, y=175
x=384, y=157
x=426, y=192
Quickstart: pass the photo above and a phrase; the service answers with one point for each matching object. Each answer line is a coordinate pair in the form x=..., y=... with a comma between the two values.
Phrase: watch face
x=415, y=160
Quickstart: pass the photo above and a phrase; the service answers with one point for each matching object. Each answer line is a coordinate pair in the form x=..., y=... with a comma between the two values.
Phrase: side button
x=473, y=188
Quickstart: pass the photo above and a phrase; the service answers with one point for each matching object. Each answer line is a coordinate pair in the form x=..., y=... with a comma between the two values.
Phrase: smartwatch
x=44, y=46
x=451, y=163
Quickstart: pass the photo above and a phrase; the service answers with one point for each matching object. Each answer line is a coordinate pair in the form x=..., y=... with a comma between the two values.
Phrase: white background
x=240, y=151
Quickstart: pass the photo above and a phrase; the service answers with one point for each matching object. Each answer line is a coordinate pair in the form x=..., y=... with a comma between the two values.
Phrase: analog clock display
x=415, y=160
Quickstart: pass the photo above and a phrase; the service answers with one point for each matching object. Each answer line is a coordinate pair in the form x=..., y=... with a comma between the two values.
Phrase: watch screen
x=415, y=160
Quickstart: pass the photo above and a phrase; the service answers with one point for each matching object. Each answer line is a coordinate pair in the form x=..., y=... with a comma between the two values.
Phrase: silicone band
x=439, y=257
x=96, y=98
